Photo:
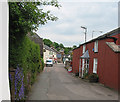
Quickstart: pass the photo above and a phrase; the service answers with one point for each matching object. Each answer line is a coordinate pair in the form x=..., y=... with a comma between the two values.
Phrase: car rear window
x=48, y=61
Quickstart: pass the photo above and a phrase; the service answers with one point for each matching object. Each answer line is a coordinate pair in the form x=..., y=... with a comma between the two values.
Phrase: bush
x=42, y=63
x=85, y=75
x=26, y=54
x=93, y=77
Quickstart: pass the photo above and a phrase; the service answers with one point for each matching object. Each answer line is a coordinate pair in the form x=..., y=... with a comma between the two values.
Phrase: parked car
x=49, y=62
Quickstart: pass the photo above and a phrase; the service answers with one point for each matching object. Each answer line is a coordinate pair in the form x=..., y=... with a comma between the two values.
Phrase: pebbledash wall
x=107, y=67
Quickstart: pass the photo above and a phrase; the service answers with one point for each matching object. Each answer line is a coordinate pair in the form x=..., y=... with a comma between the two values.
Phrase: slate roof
x=47, y=47
x=113, y=46
x=50, y=49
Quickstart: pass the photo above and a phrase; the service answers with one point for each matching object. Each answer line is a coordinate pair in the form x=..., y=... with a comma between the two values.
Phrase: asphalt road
x=55, y=83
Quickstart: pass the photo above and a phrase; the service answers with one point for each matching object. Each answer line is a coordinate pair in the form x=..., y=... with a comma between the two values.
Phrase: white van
x=49, y=62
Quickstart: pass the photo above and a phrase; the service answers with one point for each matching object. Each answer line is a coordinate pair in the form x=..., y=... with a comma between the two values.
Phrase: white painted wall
x=4, y=75
x=49, y=54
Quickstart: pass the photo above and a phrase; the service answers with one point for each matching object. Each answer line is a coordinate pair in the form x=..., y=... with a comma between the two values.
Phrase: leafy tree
x=74, y=46
x=61, y=45
x=67, y=50
x=48, y=42
x=26, y=17
x=56, y=45
x=58, y=49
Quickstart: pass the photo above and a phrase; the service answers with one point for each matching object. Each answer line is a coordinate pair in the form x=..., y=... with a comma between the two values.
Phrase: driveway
x=55, y=83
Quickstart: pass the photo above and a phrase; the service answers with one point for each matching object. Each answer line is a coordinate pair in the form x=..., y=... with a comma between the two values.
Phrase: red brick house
x=99, y=55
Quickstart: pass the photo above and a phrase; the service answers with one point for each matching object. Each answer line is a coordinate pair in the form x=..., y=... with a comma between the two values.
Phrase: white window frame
x=84, y=48
x=83, y=65
x=87, y=65
x=95, y=63
x=96, y=46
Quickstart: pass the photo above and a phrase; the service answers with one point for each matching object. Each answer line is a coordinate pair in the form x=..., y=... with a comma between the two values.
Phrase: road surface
x=55, y=83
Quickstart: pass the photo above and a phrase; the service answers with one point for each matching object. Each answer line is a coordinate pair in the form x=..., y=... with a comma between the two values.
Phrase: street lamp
x=95, y=31
x=85, y=31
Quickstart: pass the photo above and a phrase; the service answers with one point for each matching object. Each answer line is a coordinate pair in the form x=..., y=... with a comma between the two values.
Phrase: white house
x=49, y=53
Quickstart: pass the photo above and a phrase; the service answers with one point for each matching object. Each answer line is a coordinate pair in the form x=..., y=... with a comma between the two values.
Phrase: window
x=87, y=65
x=83, y=48
x=95, y=65
x=96, y=46
x=44, y=50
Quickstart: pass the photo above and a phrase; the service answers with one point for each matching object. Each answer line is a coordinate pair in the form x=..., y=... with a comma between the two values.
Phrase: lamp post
x=85, y=31
x=95, y=31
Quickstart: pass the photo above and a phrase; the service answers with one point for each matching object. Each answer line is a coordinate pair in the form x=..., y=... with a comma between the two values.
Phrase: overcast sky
x=97, y=16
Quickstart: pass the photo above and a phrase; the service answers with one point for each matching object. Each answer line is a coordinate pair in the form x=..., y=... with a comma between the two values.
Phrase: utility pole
x=85, y=32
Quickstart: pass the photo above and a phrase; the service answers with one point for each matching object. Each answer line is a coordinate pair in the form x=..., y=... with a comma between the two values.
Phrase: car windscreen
x=48, y=61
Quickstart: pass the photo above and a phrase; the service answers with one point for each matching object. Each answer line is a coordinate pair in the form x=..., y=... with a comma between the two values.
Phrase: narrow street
x=55, y=83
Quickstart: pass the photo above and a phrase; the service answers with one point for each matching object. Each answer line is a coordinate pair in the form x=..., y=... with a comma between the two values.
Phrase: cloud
x=93, y=15
x=67, y=40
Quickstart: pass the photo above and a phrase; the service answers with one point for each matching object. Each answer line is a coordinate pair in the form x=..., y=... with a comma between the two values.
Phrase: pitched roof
x=50, y=48
x=113, y=46
x=104, y=36
x=85, y=55
x=47, y=47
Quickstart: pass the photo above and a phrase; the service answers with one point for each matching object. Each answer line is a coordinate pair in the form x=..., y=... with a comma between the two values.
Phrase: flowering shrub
x=27, y=55
x=19, y=85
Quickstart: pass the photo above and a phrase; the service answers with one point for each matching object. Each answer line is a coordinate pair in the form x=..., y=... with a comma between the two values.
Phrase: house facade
x=49, y=53
x=99, y=55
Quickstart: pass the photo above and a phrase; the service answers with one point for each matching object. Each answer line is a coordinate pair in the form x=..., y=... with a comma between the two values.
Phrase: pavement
x=55, y=83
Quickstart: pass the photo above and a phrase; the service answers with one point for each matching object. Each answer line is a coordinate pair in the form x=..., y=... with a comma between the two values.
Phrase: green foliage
x=26, y=17
x=48, y=42
x=42, y=63
x=56, y=45
x=26, y=54
x=74, y=46
x=85, y=75
x=61, y=45
x=93, y=77
x=67, y=50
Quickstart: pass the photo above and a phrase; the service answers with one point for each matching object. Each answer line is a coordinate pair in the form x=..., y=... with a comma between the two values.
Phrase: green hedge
x=26, y=54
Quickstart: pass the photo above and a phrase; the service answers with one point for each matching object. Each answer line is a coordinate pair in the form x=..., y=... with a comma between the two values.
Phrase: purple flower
x=19, y=85
x=10, y=77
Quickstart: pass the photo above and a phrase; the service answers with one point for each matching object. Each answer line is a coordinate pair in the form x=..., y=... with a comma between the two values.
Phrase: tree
x=61, y=45
x=56, y=45
x=48, y=42
x=74, y=46
x=67, y=50
x=26, y=17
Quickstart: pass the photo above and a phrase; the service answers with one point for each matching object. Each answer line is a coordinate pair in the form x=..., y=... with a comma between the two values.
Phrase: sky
x=95, y=16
